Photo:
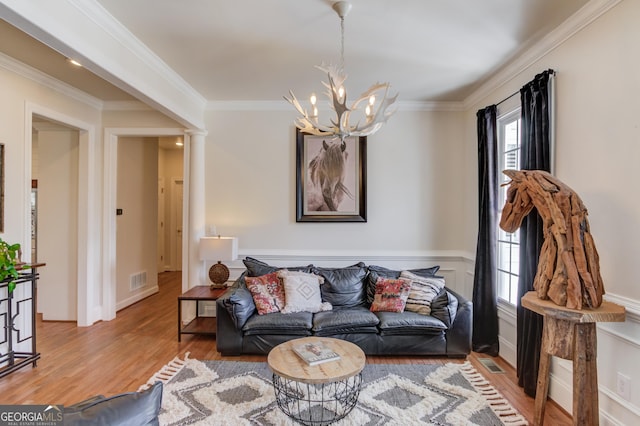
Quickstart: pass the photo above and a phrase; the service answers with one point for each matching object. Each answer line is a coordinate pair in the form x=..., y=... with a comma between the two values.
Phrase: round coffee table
x=321, y=394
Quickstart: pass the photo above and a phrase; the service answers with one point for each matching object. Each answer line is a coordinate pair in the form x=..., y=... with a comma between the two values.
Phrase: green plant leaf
x=8, y=261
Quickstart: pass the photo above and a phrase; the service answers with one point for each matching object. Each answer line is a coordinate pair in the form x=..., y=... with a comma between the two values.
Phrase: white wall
x=597, y=154
x=26, y=91
x=136, y=118
x=57, y=224
x=17, y=93
x=136, y=228
x=414, y=185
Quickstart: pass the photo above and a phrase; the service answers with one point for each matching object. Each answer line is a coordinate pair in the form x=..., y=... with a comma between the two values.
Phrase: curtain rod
x=550, y=71
x=508, y=97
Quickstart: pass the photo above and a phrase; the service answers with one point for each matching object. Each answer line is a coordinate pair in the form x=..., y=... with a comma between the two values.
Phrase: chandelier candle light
x=376, y=112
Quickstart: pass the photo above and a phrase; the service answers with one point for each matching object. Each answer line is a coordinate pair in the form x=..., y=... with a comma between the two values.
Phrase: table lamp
x=218, y=249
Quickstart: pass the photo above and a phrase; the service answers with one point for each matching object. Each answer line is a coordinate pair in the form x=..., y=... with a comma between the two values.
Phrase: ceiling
x=256, y=50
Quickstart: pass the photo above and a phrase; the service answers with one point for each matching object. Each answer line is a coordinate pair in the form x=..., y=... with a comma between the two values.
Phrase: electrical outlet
x=623, y=386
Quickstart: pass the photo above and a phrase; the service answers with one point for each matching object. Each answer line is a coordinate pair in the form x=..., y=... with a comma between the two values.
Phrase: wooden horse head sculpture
x=568, y=269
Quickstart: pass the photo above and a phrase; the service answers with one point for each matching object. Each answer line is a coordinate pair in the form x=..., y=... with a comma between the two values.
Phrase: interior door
x=161, y=226
x=177, y=192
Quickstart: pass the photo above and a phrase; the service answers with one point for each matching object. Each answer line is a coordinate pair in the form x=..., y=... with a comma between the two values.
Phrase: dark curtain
x=485, y=310
x=535, y=155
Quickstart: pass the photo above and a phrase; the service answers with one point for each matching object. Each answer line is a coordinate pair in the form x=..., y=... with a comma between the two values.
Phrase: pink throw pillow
x=267, y=291
x=391, y=295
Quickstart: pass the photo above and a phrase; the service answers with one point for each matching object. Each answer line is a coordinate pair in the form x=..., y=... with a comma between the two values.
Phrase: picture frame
x=331, y=178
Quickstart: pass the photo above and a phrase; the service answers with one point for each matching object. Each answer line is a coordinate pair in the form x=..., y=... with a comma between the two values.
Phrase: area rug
x=241, y=393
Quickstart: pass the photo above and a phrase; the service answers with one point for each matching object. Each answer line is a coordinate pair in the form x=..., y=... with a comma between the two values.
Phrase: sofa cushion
x=380, y=271
x=423, y=291
x=294, y=324
x=256, y=268
x=343, y=287
x=391, y=295
x=444, y=307
x=267, y=292
x=302, y=292
x=408, y=323
x=239, y=304
x=133, y=408
x=354, y=320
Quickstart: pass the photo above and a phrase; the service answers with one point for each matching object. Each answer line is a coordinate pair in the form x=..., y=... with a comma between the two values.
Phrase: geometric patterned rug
x=241, y=393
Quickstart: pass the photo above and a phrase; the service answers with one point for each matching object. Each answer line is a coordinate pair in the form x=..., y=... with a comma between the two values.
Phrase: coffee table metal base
x=317, y=404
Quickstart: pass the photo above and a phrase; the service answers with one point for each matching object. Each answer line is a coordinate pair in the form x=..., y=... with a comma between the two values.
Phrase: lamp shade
x=221, y=249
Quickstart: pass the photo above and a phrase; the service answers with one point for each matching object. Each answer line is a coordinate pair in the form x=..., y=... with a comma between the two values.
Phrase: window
x=508, y=244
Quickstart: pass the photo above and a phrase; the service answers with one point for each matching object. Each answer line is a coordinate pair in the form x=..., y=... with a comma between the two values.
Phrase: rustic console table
x=18, y=313
x=571, y=334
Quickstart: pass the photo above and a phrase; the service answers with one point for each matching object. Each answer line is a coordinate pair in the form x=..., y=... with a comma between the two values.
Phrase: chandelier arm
x=294, y=101
x=380, y=115
x=340, y=107
x=371, y=91
x=307, y=123
x=376, y=113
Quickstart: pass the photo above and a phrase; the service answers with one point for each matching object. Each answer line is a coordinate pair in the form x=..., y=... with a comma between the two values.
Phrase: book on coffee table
x=315, y=353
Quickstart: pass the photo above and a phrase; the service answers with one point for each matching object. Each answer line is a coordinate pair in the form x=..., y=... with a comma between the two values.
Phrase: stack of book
x=315, y=353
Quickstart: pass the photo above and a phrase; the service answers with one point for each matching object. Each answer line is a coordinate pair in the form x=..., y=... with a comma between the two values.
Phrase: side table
x=199, y=325
x=321, y=394
x=571, y=334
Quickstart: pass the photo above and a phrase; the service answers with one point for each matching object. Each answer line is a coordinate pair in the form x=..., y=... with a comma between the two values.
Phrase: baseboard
x=136, y=297
x=507, y=351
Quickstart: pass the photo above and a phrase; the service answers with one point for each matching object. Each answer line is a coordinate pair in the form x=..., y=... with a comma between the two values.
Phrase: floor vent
x=490, y=365
x=138, y=280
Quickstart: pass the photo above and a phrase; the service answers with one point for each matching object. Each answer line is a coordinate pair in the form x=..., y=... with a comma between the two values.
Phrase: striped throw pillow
x=423, y=291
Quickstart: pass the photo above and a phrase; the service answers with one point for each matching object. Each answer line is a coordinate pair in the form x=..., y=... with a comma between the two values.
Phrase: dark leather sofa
x=446, y=332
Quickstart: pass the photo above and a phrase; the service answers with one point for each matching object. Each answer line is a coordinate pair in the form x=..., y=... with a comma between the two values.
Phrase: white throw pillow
x=423, y=291
x=302, y=292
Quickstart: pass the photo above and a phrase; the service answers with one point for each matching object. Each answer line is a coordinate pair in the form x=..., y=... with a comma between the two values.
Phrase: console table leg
x=542, y=387
x=585, y=376
x=571, y=334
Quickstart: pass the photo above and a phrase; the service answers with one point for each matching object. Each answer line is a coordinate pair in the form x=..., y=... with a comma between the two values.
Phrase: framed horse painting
x=330, y=178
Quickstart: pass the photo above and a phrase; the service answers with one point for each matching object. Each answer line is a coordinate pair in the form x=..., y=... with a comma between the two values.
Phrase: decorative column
x=196, y=207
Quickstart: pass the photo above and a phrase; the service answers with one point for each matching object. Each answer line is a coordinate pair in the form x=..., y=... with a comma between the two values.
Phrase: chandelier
x=372, y=112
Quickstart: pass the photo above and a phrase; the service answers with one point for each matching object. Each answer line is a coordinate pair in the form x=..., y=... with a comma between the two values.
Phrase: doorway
x=112, y=273
x=54, y=230
x=143, y=162
x=171, y=205
x=177, y=189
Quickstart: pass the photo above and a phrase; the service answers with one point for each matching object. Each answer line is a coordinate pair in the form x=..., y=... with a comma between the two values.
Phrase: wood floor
x=120, y=355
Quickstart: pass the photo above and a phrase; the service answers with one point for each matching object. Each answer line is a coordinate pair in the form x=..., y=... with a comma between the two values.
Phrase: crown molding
x=523, y=60
x=285, y=106
x=430, y=106
x=26, y=71
x=503, y=75
x=86, y=31
x=115, y=29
